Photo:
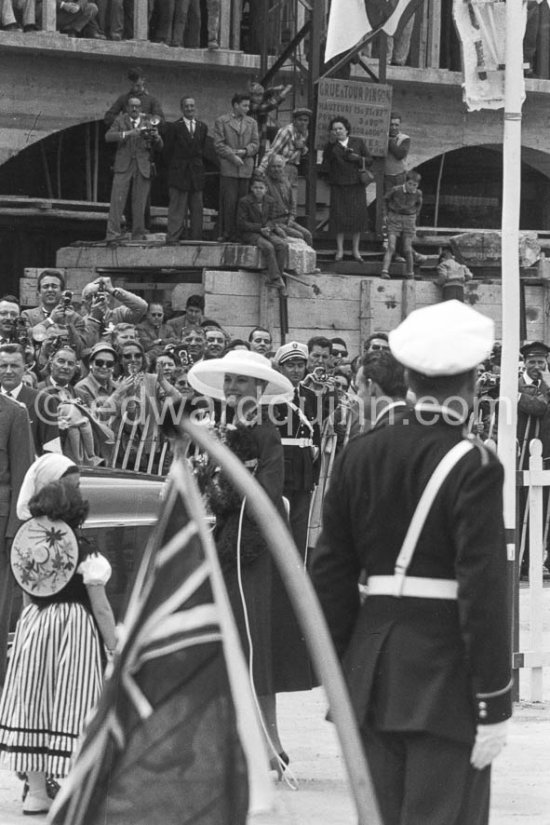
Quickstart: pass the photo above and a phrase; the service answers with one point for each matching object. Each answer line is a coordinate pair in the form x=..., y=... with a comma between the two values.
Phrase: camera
x=488, y=384
x=320, y=374
x=66, y=299
x=101, y=288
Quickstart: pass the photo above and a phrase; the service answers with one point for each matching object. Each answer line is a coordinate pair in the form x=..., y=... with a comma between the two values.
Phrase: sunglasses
x=99, y=362
x=377, y=347
x=132, y=356
x=341, y=352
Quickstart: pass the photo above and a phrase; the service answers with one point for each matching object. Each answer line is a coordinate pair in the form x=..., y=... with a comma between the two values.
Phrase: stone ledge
x=144, y=51
x=154, y=254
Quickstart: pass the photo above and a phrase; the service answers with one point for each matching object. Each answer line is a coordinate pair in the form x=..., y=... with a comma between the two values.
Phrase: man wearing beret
x=416, y=508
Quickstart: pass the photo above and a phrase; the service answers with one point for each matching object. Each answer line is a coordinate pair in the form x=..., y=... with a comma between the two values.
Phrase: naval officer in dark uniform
x=300, y=431
x=427, y=655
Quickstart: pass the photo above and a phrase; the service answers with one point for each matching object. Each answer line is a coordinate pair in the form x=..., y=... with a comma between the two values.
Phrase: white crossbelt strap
x=297, y=442
x=423, y=508
x=422, y=588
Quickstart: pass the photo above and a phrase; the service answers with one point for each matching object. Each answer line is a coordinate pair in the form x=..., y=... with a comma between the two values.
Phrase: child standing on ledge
x=403, y=205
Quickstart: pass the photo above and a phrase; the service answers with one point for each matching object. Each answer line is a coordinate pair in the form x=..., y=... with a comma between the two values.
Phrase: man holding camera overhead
x=137, y=138
x=100, y=309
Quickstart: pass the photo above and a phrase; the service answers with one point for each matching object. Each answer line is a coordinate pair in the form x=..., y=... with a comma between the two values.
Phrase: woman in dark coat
x=343, y=157
x=245, y=380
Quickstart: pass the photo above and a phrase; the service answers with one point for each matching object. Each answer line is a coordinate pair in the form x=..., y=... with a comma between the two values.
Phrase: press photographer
x=137, y=139
x=104, y=306
x=55, y=308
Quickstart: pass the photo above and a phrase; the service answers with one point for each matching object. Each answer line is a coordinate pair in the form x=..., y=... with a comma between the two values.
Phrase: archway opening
x=463, y=189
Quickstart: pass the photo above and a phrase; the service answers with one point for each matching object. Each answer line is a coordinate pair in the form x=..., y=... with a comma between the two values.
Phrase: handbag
x=365, y=175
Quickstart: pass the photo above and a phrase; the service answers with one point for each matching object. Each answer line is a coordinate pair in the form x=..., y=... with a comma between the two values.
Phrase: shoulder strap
x=418, y=520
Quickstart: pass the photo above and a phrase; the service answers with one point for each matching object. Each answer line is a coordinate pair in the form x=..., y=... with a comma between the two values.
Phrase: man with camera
x=137, y=138
x=100, y=309
x=55, y=309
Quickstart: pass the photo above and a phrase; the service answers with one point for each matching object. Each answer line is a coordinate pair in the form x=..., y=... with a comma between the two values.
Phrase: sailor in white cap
x=418, y=508
x=298, y=423
x=245, y=380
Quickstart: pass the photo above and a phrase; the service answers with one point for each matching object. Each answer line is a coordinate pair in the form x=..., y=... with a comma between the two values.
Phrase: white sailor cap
x=443, y=339
x=291, y=350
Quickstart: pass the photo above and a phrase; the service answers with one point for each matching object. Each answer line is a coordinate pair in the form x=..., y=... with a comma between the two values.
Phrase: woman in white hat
x=246, y=382
x=55, y=673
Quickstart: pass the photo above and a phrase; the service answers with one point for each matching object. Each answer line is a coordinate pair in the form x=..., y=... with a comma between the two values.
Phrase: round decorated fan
x=44, y=556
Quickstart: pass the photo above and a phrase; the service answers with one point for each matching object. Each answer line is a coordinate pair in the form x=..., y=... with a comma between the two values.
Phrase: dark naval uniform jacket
x=433, y=665
x=298, y=426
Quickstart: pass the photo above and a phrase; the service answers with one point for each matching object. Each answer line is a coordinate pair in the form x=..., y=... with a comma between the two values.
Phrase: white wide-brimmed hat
x=207, y=377
x=443, y=339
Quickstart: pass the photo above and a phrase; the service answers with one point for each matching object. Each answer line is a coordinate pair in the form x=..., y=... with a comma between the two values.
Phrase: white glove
x=490, y=740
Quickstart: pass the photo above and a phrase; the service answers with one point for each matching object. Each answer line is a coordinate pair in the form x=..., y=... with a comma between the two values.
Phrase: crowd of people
x=171, y=22
x=101, y=374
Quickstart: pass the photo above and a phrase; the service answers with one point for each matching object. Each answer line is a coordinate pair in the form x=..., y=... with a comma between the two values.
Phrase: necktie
x=192, y=127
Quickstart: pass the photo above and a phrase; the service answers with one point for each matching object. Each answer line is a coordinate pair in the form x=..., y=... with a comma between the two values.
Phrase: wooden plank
x=231, y=282
x=226, y=309
x=434, y=34
x=141, y=19
x=236, y=16
x=49, y=16
x=422, y=27
x=365, y=311
x=225, y=25
x=408, y=297
x=316, y=313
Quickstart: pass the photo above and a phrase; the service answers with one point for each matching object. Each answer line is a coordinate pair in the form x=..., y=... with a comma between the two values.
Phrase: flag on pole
x=350, y=21
x=481, y=27
x=175, y=738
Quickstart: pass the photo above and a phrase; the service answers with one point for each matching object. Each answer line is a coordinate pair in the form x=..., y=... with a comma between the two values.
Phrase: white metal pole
x=513, y=97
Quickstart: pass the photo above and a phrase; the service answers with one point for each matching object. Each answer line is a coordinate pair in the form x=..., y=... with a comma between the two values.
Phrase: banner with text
x=367, y=106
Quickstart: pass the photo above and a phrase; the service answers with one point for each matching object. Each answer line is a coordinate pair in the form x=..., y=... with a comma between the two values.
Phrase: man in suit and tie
x=16, y=456
x=184, y=148
x=12, y=368
x=55, y=308
x=236, y=142
x=137, y=139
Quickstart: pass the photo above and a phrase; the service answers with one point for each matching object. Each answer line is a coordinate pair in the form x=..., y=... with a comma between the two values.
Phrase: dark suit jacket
x=36, y=316
x=130, y=148
x=184, y=155
x=533, y=417
x=418, y=664
x=341, y=170
x=16, y=456
x=253, y=216
x=43, y=427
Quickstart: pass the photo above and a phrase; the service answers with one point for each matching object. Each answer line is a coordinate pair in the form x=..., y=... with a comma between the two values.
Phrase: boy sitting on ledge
x=257, y=225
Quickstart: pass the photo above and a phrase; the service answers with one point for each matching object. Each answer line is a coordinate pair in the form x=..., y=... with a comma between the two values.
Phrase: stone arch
x=470, y=189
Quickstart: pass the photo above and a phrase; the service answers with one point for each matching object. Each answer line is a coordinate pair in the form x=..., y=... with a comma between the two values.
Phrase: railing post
x=49, y=16
x=535, y=566
x=141, y=19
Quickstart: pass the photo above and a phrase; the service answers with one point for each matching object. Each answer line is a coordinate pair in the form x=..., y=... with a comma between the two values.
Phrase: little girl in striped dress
x=55, y=674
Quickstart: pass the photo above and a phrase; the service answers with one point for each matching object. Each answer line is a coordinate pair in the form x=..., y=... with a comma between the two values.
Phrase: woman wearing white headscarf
x=247, y=384
x=55, y=674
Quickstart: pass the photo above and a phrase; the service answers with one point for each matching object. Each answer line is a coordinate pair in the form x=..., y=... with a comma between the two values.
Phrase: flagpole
x=511, y=189
x=309, y=615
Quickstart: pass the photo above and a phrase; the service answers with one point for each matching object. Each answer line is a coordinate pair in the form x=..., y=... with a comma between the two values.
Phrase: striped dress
x=54, y=680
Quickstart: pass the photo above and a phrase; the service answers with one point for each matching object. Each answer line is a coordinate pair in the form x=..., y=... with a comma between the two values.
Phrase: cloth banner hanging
x=351, y=20
x=481, y=26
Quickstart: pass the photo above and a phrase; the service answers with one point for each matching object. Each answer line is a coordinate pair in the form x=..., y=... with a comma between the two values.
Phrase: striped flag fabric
x=350, y=21
x=175, y=738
